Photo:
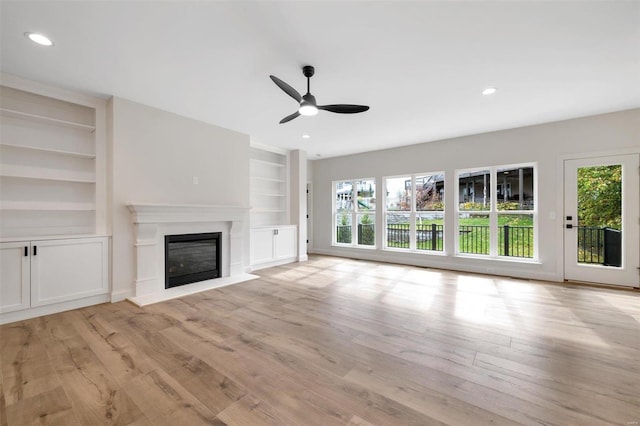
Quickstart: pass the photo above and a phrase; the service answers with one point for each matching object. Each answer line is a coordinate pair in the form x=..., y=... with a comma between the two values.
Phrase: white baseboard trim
x=54, y=308
x=274, y=263
x=119, y=296
x=497, y=268
x=303, y=258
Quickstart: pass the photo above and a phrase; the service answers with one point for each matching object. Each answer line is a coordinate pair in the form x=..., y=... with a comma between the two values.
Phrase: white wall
x=545, y=144
x=154, y=157
x=298, y=181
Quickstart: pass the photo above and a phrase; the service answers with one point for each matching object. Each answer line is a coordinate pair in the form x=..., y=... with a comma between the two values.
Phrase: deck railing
x=474, y=239
x=428, y=237
x=599, y=245
x=596, y=245
x=516, y=241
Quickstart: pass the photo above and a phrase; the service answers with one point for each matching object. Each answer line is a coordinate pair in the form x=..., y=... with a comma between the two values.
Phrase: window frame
x=493, y=213
x=355, y=212
x=413, y=213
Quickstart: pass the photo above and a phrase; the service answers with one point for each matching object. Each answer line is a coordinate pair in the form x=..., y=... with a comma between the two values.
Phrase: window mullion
x=493, y=215
x=412, y=215
x=354, y=213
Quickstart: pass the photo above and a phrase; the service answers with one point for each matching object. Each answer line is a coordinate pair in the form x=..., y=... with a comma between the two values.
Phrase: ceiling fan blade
x=344, y=108
x=289, y=117
x=287, y=89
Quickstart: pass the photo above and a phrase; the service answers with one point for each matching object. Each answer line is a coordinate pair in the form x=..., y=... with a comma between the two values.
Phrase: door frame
x=309, y=219
x=558, y=215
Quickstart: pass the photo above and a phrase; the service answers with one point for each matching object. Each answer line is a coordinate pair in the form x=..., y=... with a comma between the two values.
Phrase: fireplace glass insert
x=190, y=258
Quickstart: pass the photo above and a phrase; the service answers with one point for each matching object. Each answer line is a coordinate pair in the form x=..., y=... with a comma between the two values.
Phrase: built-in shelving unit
x=4, y=112
x=51, y=165
x=269, y=188
x=53, y=200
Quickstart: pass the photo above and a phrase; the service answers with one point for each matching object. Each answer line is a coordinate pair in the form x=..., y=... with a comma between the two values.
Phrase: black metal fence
x=343, y=234
x=602, y=246
x=428, y=237
x=596, y=245
x=516, y=241
x=366, y=234
x=474, y=239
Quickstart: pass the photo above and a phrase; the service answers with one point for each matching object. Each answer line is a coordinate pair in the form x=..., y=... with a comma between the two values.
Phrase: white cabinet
x=52, y=275
x=285, y=242
x=273, y=245
x=262, y=246
x=14, y=276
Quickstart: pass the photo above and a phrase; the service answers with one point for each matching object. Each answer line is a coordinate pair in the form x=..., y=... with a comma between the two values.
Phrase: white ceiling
x=420, y=65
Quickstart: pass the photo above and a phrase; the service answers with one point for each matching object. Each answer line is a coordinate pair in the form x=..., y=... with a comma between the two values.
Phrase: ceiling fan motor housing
x=308, y=71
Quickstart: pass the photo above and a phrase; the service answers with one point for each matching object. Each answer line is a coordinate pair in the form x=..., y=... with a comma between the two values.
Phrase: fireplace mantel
x=154, y=221
x=167, y=213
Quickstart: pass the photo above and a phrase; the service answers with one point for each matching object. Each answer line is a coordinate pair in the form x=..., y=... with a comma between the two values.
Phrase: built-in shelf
x=43, y=119
x=46, y=206
x=29, y=237
x=25, y=172
x=268, y=163
x=53, y=151
x=263, y=194
x=269, y=189
x=52, y=162
x=267, y=179
x=261, y=210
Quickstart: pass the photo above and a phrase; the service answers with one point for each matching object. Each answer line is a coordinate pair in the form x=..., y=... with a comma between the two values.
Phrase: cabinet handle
x=26, y=251
x=35, y=250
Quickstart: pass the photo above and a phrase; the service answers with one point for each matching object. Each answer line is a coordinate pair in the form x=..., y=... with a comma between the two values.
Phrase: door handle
x=35, y=250
x=26, y=251
x=569, y=226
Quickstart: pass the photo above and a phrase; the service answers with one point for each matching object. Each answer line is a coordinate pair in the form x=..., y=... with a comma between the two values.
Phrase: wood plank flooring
x=334, y=342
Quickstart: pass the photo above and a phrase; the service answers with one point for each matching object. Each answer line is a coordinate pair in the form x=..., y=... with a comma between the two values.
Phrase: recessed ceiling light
x=305, y=136
x=489, y=91
x=39, y=38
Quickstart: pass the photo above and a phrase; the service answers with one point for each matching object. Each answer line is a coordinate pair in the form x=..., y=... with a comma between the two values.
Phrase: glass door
x=602, y=220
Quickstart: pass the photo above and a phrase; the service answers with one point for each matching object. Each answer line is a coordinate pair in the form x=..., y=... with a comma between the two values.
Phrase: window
x=414, y=212
x=355, y=203
x=497, y=211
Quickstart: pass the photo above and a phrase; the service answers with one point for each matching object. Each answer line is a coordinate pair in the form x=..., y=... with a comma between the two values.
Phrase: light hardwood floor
x=334, y=342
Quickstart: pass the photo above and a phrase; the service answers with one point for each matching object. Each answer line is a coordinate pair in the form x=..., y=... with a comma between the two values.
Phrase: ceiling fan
x=308, y=105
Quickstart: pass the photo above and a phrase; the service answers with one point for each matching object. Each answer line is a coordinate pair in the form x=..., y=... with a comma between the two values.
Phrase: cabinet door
x=70, y=269
x=261, y=245
x=285, y=243
x=14, y=276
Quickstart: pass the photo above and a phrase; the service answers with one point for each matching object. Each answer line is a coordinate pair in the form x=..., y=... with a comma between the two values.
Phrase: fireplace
x=154, y=222
x=190, y=258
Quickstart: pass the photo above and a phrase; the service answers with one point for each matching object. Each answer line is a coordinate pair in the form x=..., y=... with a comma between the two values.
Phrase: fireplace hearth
x=191, y=258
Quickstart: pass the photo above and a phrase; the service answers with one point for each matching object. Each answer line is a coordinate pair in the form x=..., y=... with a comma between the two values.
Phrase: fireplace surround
x=152, y=222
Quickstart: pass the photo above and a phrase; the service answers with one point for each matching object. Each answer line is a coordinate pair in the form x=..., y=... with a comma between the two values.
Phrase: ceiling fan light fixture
x=308, y=109
x=307, y=103
x=40, y=39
